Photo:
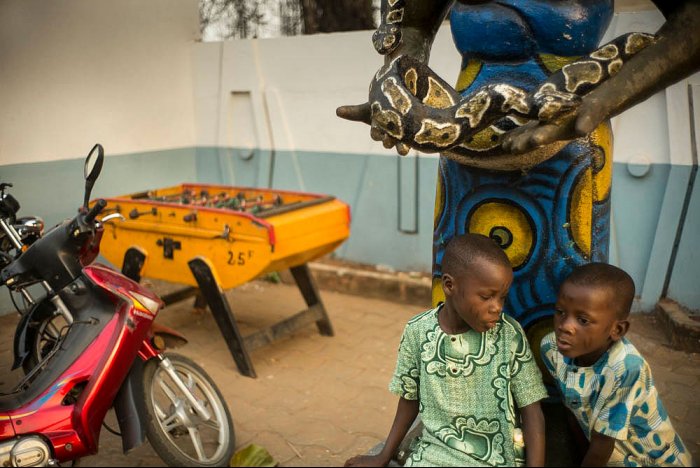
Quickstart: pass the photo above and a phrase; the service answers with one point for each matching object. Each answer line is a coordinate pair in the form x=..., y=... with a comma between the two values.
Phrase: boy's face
x=586, y=323
x=478, y=295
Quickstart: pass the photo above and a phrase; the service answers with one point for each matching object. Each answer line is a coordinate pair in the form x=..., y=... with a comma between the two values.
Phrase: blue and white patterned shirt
x=616, y=397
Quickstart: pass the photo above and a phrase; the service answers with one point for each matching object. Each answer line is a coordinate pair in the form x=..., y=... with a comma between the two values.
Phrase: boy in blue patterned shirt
x=604, y=381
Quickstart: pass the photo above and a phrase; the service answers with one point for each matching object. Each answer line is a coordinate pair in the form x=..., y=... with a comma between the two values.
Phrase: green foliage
x=237, y=19
x=273, y=277
x=252, y=455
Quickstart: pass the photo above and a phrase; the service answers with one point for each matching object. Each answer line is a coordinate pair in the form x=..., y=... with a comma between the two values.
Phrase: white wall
x=74, y=72
x=294, y=85
x=131, y=75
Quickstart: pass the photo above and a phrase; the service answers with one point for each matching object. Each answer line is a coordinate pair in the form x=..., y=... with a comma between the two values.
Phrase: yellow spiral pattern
x=498, y=214
x=592, y=187
x=468, y=74
x=439, y=200
x=603, y=138
x=438, y=293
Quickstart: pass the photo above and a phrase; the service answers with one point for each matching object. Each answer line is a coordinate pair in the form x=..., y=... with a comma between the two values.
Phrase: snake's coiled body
x=416, y=107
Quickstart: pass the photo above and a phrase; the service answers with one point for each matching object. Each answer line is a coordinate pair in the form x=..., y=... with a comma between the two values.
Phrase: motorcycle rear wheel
x=177, y=432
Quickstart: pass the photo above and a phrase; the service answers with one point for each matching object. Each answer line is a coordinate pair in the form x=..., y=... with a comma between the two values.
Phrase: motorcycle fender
x=131, y=423
x=38, y=312
x=171, y=337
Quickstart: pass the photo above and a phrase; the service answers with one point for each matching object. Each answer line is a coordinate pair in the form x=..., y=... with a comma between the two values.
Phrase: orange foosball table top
x=243, y=232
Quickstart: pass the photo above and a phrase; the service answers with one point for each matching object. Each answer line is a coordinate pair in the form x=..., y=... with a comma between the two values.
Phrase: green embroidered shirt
x=467, y=386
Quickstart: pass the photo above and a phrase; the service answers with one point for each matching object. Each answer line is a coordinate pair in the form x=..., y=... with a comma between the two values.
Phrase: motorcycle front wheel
x=178, y=432
x=42, y=337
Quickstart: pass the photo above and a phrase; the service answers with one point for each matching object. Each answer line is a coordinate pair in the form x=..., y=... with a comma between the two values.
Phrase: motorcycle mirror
x=93, y=166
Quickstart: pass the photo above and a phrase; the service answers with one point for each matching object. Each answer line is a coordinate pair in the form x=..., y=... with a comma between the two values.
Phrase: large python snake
x=413, y=105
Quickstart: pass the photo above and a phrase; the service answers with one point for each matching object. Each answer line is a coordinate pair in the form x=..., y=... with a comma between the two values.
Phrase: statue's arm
x=408, y=27
x=674, y=56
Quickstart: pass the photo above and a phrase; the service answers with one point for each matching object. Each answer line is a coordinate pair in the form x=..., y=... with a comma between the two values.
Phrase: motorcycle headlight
x=29, y=228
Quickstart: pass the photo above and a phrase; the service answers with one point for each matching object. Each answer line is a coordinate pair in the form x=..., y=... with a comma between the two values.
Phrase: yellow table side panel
x=309, y=228
x=236, y=261
x=289, y=261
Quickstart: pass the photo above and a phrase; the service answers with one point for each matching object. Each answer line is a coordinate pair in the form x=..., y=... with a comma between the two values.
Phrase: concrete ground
x=319, y=400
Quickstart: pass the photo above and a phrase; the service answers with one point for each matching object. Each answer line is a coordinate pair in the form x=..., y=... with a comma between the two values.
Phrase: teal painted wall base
x=392, y=202
x=683, y=279
x=54, y=190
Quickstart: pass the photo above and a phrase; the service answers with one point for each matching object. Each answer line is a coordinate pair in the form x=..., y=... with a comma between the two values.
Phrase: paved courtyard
x=319, y=400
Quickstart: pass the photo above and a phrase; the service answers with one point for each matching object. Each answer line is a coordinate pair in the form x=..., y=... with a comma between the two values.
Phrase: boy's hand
x=533, y=433
x=367, y=460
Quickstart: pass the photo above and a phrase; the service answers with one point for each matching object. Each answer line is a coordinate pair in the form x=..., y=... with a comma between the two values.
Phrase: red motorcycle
x=89, y=343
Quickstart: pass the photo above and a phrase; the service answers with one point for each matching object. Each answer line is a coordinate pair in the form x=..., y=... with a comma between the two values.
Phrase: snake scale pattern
x=388, y=36
x=416, y=107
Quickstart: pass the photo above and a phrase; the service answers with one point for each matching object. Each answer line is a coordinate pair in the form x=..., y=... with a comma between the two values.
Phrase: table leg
x=200, y=302
x=308, y=288
x=134, y=259
x=220, y=309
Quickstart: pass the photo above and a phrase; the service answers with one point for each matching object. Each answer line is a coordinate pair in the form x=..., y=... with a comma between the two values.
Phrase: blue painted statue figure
x=524, y=140
x=525, y=144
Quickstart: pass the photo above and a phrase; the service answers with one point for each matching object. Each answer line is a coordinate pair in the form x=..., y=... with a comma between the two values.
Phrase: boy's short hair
x=602, y=275
x=464, y=250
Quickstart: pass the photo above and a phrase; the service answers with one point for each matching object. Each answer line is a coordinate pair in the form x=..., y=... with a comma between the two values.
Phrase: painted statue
x=525, y=144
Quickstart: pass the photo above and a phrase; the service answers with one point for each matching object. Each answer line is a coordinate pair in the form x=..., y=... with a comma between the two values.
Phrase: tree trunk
x=322, y=16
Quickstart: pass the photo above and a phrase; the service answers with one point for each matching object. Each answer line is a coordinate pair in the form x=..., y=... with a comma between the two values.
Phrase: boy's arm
x=533, y=433
x=406, y=413
x=599, y=450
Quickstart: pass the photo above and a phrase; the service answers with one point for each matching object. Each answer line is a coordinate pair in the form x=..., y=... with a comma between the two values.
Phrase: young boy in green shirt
x=603, y=379
x=465, y=367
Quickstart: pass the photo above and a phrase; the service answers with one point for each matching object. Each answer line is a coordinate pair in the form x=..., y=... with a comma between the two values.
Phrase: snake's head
x=386, y=39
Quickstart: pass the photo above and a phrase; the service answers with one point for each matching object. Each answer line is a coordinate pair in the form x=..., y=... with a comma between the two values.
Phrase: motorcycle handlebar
x=95, y=210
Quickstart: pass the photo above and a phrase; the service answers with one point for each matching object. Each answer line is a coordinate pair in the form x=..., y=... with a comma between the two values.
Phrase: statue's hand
x=577, y=123
x=363, y=113
x=409, y=106
x=535, y=134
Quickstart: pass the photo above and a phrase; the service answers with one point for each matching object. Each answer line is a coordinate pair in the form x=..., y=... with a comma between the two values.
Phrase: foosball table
x=215, y=237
